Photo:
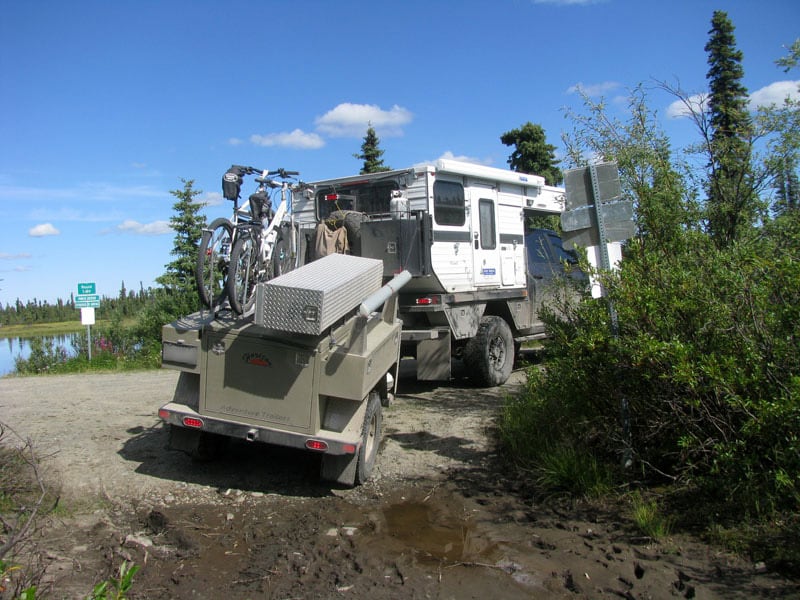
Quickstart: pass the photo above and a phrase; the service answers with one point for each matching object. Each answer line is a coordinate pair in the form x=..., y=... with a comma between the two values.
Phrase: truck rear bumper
x=181, y=415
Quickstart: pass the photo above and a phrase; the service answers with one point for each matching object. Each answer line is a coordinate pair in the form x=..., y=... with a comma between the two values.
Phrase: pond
x=12, y=347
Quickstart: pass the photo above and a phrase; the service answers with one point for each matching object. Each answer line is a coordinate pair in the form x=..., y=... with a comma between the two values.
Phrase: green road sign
x=87, y=288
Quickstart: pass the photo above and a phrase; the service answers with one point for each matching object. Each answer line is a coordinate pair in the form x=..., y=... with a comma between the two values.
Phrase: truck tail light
x=429, y=300
x=193, y=422
x=318, y=445
x=163, y=414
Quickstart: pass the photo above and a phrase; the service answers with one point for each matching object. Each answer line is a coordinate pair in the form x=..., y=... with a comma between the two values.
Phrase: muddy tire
x=489, y=356
x=355, y=469
x=370, y=438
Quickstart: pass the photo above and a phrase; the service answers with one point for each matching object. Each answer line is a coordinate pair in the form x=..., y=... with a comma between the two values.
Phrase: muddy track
x=438, y=520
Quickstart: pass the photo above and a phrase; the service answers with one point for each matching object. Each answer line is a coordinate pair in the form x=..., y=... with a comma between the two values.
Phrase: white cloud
x=463, y=158
x=43, y=230
x=775, y=93
x=136, y=228
x=594, y=89
x=7, y=256
x=352, y=120
x=693, y=104
x=234, y=141
x=294, y=139
x=212, y=199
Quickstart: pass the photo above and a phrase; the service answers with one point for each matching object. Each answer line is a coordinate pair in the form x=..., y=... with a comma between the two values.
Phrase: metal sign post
x=596, y=215
x=87, y=300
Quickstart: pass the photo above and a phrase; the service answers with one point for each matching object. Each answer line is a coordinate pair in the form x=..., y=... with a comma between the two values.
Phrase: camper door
x=485, y=250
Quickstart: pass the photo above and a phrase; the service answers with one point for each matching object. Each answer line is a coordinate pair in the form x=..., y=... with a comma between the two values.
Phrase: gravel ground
x=438, y=520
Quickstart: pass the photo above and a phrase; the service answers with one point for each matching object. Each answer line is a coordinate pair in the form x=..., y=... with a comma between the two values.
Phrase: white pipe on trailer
x=374, y=301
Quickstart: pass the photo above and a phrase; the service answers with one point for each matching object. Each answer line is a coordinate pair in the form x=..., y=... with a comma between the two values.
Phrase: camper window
x=448, y=203
x=488, y=235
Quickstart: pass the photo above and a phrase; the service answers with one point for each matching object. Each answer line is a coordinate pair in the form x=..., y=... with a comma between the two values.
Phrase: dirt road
x=438, y=520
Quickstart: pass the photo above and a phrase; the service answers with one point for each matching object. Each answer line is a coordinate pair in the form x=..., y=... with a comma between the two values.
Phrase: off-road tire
x=489, y=356
x=213, y=258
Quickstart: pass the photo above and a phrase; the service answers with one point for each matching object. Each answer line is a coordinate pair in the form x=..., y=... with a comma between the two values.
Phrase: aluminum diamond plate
x=311, y=298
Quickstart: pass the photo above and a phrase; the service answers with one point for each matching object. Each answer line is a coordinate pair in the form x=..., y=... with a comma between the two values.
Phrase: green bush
x=706, y=357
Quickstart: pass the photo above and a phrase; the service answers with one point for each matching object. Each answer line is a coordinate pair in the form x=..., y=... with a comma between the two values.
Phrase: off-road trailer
x=459, y=229
x=309, y=370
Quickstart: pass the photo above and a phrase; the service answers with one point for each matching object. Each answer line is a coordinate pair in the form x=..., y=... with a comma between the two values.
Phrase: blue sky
x=106, y=106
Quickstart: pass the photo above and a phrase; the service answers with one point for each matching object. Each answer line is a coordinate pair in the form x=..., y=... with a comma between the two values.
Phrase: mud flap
x=340, y=469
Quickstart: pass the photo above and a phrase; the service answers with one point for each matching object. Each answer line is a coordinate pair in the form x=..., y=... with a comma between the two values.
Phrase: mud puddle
x=264, y=546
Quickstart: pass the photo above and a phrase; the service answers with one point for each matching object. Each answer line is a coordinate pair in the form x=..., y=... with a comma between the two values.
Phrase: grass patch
x=567, y=470
x=649, y=517
x=37, y=329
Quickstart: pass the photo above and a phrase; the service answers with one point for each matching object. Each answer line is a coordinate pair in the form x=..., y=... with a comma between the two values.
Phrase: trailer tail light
x=429, y=300
x=349, y=448
x=318, y=445
x=192, y=422
x=331, y=197
x=163, y=414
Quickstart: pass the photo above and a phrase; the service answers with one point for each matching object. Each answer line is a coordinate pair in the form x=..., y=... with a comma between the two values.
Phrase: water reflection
x=13, y=347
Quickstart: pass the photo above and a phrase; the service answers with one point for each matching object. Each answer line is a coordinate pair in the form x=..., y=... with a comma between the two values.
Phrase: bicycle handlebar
x=283, y=173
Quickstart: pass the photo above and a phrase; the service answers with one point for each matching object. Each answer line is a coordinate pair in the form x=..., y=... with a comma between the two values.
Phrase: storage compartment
x=310, y=299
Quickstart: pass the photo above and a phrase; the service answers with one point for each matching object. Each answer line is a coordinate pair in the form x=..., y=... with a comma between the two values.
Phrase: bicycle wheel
x=246, y=270
x=213, y=258
x=282, y=258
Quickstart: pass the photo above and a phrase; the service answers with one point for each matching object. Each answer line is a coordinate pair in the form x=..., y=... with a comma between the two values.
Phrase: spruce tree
x=187, y=223
x=532, y=153
x=371, y=154
x=732, y=204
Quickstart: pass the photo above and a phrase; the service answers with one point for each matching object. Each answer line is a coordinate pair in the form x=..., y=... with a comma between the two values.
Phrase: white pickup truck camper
x=460, y=230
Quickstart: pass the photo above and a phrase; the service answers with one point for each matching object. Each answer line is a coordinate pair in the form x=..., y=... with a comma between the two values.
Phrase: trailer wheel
x=370, y=438
x=355, y=469
x=489, y=356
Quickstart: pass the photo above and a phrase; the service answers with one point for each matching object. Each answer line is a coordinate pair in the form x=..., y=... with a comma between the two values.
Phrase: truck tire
x=351, y=221
x=489, y=356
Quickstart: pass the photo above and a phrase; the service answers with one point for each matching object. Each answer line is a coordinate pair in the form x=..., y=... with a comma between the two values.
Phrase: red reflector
x=331, y=197
x=163, y=414
x=316, y=445
x=428, y=300
x=192, y=422
x=349, y=448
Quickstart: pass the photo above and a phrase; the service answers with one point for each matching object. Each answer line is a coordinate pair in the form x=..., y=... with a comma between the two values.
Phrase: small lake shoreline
x=28, y=330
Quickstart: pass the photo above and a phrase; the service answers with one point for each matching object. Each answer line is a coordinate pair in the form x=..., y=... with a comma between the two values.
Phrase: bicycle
x=262, y=251
x=214, y=252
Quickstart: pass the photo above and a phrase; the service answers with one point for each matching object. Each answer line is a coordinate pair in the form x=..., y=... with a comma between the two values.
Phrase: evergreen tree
x=187, y=223
x=732, y=204
x=532, y=153
x=787, y=189
x=371, y=154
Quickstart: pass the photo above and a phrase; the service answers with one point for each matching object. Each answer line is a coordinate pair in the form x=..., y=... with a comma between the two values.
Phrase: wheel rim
x=497, y=352
x=216, y=263
x=372, y=433
x=245, y=273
